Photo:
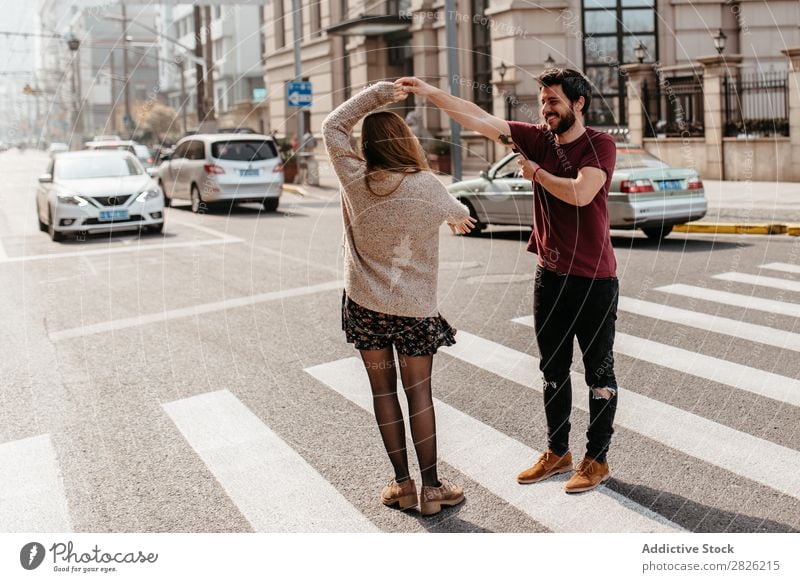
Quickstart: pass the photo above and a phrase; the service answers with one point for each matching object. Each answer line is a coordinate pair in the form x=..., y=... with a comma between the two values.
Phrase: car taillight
x=635, y=186
x=149, y=160
x=694, y=184
x=278, y=168
x=213, y=169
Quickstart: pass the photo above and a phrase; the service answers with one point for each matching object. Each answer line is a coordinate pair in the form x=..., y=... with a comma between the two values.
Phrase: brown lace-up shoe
x=588, y=475
x=403, y=494
x=433, y=498
x=549, y=464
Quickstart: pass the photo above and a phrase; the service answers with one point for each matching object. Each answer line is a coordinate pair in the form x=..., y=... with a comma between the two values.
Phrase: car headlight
x=147, y=195
x=72, y=199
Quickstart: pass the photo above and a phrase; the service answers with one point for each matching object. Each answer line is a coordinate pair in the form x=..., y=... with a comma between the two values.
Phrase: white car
x=57, y=147
x=97, y=192
x=216, y=168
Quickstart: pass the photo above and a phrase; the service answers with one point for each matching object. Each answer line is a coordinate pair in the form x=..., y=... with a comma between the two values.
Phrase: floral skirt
x=411, y=336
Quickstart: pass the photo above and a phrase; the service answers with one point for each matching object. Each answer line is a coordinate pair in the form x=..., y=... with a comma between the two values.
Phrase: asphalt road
x=199, y=381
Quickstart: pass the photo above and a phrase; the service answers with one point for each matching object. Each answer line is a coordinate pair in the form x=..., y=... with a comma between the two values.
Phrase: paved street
x=199, y=381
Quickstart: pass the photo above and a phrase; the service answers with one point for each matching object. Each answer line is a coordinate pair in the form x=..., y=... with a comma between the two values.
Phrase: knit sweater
x=391, y=248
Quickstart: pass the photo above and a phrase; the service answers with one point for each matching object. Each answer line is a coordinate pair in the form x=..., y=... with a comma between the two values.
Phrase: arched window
x=611, y=30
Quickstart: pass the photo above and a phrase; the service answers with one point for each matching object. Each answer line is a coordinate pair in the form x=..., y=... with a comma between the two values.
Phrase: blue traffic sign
x=299, y=94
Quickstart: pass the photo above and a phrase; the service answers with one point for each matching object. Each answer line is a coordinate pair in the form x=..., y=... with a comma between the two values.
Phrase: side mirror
x=164, y=158
x=484, y=174
x=46, y=178
x=152, y=172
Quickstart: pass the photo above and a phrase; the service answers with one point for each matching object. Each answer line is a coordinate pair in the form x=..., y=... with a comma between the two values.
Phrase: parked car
x=57, y=147
x=211, y=168
x=91, y=191
x=106, y=138
x=142, y=152
x=645, y=193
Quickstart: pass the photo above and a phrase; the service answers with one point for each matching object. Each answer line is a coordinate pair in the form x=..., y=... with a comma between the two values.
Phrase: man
x=576, y=287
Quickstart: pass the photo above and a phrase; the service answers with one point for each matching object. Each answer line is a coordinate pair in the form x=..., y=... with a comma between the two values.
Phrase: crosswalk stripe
x=785, y=267
x=32, y=496
x=733, y=299
x=271, y=484
x=494, y=459
x=712, y=323
x=709, y=441
x=192, y=310
x=760, y=280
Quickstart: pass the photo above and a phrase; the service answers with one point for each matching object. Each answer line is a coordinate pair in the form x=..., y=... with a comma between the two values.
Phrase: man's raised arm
x=467, y=114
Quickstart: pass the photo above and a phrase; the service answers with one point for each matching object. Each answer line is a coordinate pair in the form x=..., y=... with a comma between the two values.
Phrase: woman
x=393, y=206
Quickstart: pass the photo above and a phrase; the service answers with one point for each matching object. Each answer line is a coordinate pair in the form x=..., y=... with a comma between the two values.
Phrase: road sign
x=299, y=94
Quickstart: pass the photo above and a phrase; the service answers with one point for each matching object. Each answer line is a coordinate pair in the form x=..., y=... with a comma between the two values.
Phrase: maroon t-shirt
x=570, y=239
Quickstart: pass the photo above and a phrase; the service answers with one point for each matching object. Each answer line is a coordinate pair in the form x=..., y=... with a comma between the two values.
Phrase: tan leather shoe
x=588, y=475
x=402, y=494
x=549, y=464
x=433, y=498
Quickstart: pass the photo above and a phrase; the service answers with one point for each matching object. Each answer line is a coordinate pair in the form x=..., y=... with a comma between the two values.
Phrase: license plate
x=670, y=185
x=248, y=172
x=109, y=215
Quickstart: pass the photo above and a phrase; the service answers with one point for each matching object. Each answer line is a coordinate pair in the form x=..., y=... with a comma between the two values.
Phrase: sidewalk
x=739, y=202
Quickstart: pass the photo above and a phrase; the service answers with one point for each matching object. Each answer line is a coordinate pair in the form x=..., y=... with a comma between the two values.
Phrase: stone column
x=715, y=69
x=636, y=75
x=793, y=54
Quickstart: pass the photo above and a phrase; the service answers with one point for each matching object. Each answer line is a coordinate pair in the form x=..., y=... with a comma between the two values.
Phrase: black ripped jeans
x=566, y=306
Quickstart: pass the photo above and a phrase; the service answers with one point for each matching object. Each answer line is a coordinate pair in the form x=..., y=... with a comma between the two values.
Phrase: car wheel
x=479, y=226
x=156, y=228
x=167, y=199
x=55, y=236
x=657, y=232
x=197, y=202
x=270, y=204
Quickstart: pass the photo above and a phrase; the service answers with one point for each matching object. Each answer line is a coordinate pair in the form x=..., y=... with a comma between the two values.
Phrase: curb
x=733, y=228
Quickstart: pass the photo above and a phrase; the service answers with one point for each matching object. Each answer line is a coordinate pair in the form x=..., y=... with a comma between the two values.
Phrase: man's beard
x=564, y=123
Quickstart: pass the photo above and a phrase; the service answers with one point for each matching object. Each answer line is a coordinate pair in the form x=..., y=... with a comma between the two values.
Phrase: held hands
x=414, y=85
x=528, y=168
x=463, y=226
x=399, y=93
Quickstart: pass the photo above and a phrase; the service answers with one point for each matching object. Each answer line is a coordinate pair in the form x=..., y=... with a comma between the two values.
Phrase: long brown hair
x=387, y=143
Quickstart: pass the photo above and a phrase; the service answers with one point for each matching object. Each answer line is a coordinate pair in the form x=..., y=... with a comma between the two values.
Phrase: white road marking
x=200, y=227
x=734, y=299
x=704, y=439
x=125, y=249
x=760, y=280
x=785, y=267
x=493, y=459
x=712, y=323
x=117, y=324
x=270, y=483
x=32, y=496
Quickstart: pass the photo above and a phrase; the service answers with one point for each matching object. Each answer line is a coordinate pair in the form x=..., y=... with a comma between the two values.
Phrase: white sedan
x=97, y=192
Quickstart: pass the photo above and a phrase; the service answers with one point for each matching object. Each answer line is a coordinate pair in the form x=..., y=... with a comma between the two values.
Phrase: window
x=316, y=17
x=280, y=24
x=180, y=151
x=481, y=56
x=196, y=150
x=244, y=150
x=612, y=29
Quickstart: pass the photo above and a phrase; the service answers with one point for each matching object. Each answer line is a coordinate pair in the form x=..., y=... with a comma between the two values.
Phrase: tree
x=154, y=120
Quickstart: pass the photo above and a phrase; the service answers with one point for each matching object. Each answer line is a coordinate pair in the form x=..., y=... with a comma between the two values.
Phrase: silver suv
x=216, y=168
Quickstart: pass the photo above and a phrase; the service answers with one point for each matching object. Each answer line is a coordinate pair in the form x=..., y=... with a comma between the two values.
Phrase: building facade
x=504, y=44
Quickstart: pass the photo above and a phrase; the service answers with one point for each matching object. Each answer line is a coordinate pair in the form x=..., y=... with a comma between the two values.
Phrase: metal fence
x=673, y=107
x=756, y=104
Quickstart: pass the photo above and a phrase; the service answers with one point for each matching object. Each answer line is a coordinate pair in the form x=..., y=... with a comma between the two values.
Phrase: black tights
x=415, y=372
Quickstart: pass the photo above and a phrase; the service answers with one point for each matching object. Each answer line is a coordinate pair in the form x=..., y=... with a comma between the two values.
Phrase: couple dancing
x=393, y=206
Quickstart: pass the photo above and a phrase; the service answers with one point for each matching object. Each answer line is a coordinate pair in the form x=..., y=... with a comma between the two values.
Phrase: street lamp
x=502, y=70
x=640, y=51
x=74, y=44
x=719, y=41
x=549, y=62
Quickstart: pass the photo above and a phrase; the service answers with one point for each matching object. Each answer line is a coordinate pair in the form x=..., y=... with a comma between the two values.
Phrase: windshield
x=244, y=150
x=628, y=158
x=85, y=167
